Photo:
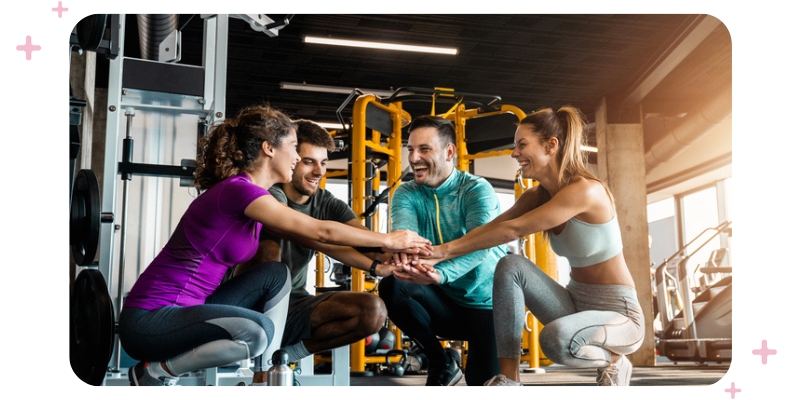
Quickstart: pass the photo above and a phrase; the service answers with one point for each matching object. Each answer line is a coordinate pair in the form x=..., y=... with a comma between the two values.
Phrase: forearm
x=479, y=239
x=334, y=233
x=458, y=266
x=265, y=208
x=347, y=255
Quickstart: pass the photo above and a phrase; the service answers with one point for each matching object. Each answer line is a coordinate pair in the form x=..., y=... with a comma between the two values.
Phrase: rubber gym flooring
x=664, y=373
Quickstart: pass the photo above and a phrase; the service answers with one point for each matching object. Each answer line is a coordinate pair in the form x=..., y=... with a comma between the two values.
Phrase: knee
x=509, y=268
x=372, y=314
x=511, y=264
x=275, y=273
x=278, y=269
x=555, y=343
x=257, y=336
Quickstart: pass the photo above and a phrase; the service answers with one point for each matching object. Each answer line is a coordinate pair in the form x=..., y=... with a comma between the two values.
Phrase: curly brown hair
x=233, y=145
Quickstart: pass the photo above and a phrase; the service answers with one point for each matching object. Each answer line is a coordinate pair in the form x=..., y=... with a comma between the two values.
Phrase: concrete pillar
x=620, y=164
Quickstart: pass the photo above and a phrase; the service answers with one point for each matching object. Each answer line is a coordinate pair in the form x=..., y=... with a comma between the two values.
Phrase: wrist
x=445, y=250
x=373, y=267
x=437, y=277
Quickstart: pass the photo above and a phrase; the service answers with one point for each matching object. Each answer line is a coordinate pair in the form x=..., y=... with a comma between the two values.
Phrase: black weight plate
x=84, y=222
x=90, y=31
x=91, y=331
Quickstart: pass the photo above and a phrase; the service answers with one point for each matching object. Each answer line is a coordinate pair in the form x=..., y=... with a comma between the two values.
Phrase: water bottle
x=280, y=374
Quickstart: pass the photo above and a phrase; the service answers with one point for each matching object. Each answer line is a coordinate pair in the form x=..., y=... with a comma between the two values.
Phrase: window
x=699, y=212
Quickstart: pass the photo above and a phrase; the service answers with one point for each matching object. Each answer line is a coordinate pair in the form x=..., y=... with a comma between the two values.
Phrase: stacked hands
x=413, y=258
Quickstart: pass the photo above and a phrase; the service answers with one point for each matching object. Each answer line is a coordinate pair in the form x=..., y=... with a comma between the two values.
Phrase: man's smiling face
x=310, y=170
x=432, y=162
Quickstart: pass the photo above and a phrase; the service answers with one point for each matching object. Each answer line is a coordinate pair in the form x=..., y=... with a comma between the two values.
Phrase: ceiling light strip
x=380, y=45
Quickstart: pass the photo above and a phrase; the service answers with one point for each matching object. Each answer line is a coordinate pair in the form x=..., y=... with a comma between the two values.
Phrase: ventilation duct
x=693, y=128
x=153, y=29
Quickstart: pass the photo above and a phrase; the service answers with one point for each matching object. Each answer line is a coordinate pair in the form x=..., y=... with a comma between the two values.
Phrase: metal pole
x=126, y=177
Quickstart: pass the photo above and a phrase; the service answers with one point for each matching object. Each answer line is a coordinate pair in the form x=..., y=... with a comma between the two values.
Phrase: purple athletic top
x=212, y=236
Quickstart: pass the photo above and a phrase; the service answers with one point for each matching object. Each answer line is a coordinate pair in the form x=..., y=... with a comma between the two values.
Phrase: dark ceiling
x=670, y=64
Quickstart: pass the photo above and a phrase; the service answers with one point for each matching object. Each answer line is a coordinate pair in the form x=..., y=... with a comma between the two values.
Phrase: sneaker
x=447, y=376
x=618, y=374
x=138, y=376
x=501, y=380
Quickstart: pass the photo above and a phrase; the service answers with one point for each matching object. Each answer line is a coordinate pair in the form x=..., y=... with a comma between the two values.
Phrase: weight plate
x=84, y=222
x=90, y=31
x=91, y=323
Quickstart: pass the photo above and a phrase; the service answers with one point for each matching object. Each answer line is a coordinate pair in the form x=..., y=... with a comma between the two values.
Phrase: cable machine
x=166, y=107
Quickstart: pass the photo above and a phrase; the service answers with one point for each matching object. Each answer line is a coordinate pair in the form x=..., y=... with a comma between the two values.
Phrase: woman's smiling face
x=530, y=152
x=286, y=157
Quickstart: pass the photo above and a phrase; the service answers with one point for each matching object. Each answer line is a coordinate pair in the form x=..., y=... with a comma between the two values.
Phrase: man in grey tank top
x=322, y=322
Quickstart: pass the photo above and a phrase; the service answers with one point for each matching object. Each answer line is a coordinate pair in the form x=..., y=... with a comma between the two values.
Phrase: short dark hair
x=310, y=132
x=447, y=132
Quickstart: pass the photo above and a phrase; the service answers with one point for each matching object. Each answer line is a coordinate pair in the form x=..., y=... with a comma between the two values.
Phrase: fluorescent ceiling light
x=331, y=89
x=330, y=125
x=589, y=148
x=379, y=45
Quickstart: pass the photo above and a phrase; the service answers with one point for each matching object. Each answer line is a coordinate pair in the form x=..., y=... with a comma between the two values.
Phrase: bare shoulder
x=589, y=187
x=580, y=188
x=593, y=193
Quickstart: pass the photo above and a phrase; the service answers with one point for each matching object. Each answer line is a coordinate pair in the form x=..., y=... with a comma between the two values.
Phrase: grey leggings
x=584, y=324
x=243, y=318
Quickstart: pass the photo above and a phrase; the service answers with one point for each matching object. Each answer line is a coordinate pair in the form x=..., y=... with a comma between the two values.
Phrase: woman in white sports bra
x=596, y=319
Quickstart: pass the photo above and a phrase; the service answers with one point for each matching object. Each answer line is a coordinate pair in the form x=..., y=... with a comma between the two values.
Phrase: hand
x=427, y=260
x=383, y=270
x=425, y=264
x=402, y=259
x=404, y=239
x=417, y=276
x=426, y=250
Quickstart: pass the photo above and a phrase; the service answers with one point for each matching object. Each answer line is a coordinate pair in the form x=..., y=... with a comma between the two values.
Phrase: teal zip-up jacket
x=465, y=201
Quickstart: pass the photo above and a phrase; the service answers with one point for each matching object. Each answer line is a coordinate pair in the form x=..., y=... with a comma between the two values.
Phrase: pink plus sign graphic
x=28, y=48
x=60, y=9
x=764, y=352
x=733, y=390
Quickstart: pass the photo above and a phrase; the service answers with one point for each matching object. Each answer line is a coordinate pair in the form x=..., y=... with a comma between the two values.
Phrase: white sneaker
x=501, y=380
x=618, y=374
x=139, y=376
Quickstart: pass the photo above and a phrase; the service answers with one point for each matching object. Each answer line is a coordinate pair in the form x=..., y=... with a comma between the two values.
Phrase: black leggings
x=240, y=320
x=425, y=313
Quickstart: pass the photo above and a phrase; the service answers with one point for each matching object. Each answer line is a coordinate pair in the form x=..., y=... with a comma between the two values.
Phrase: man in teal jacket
x=454, y=302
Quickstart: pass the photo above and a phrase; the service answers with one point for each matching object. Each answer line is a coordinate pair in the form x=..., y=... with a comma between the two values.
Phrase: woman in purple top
x=178, y=318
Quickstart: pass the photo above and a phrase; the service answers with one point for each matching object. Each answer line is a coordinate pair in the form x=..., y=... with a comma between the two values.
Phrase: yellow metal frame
x=393, y=148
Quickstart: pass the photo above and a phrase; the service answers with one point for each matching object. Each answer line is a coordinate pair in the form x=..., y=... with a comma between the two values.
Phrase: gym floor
x=664, y=373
